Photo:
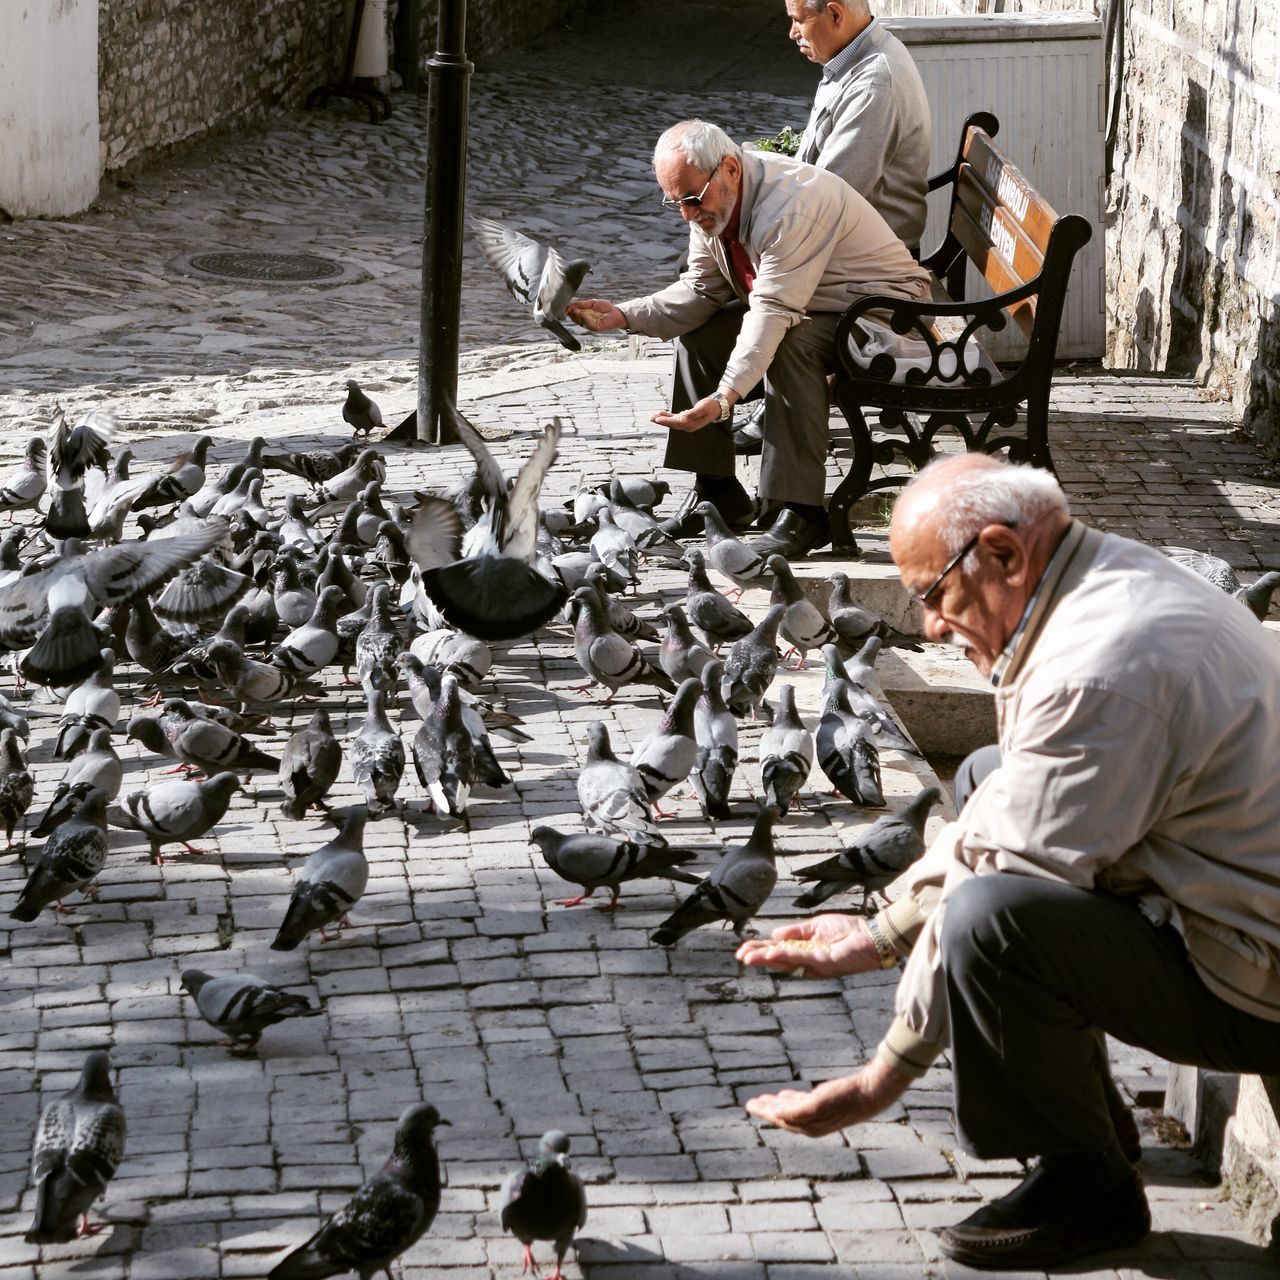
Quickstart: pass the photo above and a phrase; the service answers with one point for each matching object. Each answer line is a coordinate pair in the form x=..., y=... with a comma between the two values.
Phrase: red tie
x=739, y=262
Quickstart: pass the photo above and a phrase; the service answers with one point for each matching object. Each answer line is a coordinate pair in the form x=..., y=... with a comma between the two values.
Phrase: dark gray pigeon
x=738, y=886
x=715, y=729
x=330, y=883
x=666, y=757
x=534, y=274
x=719, y=620
x=751, y=665
x=613, y=795
x=681, y=655
x=309, y=766
x=804, y=625
x=360, y=413
x=854, y=625
x=77, y=1148
x=242, y=1006
x=621, y=618
x=253, y=683
x=444, y=756
x=379, y=643
x=786, y=753
x=208, y=745
x=17, y=786
x=545, y=1201
x=377, y=757
x=608, y=658
x=601, y=861
x=424, y=682
x=384, y=1217
x=878, y=857
x=175, y=812
x=72, y=855
x=846, y=752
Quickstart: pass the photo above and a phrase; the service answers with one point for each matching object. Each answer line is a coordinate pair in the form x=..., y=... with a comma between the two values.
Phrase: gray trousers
x=797, y=405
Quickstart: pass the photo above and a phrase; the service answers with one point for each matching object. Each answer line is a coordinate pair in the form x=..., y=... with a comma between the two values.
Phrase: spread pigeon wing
x=516, y=258
x=520, y=533
x=116, y=574
x=492, y=481
x=435, y=532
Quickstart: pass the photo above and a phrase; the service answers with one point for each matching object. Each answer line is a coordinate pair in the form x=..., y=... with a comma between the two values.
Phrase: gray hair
x=701, y=143
x=859, y=8
x=1001, y=494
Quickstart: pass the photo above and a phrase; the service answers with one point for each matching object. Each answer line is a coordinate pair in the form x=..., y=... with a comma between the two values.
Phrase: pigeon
x=636, y=490
x=347, y=484
x=465, y=658
x=72, y=451
x=314, y=465
x=294, y=602
x=308, y=649
x=77, y=1148
x=202, y=592
x=330, y=883
x=359, y=412
x=604, y=861
x=486, y=586
x=854, y=625
x=751, y=665
x=665, y=758
x=17, y=787
x=534, y=274
x=242, y=1006
x=234, y=503
x=253, y=683
x=175, y=812
x=96, y=766
x=786, y=753
x=607, y=657
x=297, y=529
x=444, y=756
x=845, y=750
x=22, y=488
x=72, y=855
x=738, y=886
x=378, y=643
x=209, y=745
x=621, y=619
x=183, y=480
x=92, y=704
x=878, y=857
x=377, y=757
x=545, y=1201
x=804, y=625
x=425, y=691
x=384, y=1217
x=715, y=730
x=681, y=655
x=729, y=555
x=719, y=620
x=309, y=766
x=149, y=644
x=614, y=547
x=1257, y=597
x=613, y=795
x=883, y=727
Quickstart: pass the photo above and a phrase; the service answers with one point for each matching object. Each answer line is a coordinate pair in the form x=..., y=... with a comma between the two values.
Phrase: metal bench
x=1024, y=251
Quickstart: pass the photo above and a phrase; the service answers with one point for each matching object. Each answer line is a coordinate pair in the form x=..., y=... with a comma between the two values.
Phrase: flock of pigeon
x=236, y=600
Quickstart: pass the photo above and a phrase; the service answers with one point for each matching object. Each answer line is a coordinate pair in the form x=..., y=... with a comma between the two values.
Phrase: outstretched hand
x=826, y=946
x=833, y=1104
x=595, y=314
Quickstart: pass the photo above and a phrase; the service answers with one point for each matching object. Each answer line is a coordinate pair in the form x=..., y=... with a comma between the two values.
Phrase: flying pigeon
x=72, y=855
x=545, y=1201
x=242, y=1006
x=603, y=861
x=715, y=728
x=359, y=412
x=72, y=451
x=330, y=883
x=786, y=753
x=309, y=766
x=534, y=274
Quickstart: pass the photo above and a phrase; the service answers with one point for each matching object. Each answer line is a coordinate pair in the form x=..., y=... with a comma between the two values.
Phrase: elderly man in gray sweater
x=777, y=251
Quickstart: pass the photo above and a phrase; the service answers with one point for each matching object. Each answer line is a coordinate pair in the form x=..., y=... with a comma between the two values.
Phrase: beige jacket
x=1139, y=720
x=816, y=245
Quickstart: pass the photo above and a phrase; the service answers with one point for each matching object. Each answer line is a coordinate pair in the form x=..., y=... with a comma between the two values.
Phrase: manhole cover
x=293, y=268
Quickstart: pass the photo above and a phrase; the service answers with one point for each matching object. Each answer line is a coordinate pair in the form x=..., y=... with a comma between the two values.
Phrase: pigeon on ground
x=17, y=787
x=534, y=274
x=681, y=655
x=804, y=625
x=637, y=490
x=854, y=625
x=729, y=555
x=309, y=766
x=150, y=644
x=294, y=601
x=330, y=883
x=242, y=1006
x=77, y=1148
x=315, y=466
x=614, y=547
x=308, y=649
x=738, y=886
x=715, y=729
x=297, y=529
x=92, y=704
x=22, y=488
x=1257, y=597
x=613, y=795
x=96, y=766
x=347, y=484
x=183, y=480
x=786, y=753
x=604, y=861
x=465, y=658
x=253, y=683
x=751, y=665
x=623, y=621
x=359, y=412
x=845, y=749
x=719, y=620
x=426, y=693
x=175, y=812
x=607, y=657
x=884, y=729
x=652, y=541
x=208, y=745
x=384, y=1217
x=666, y=757
x=72, y=855
x=376, y=754
x=444, y=756
x=545, y=1201
x=378, y=644
x=878, y=857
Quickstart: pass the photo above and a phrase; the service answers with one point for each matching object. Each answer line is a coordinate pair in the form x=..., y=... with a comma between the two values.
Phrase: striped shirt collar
x=848, y=55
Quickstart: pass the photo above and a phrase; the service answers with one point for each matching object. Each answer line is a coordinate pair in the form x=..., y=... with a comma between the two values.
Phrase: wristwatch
x=725, y=407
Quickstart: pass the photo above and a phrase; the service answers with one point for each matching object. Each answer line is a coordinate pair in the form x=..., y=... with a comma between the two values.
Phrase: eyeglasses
x=923, y=596
x=690, y=202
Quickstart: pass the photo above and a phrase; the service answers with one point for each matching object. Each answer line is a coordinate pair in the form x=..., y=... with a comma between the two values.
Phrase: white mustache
x=953, y=639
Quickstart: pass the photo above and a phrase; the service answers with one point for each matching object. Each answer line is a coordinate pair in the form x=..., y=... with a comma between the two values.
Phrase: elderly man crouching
x=1117, y=872
x=777, y=251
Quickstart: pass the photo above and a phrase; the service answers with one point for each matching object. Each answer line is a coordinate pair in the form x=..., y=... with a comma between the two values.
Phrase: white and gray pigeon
x=72, y=451
x=786, y=753
x=614, y=547
x=621, y=618
x=738, y=886
x=875, y=859
x=242, y=1005
x=252, y=683
x=715, y=729
x=544, y=1201
x=376, y=754
x=846, y=751
x=425, y=692
x=666, y=757
x=329, y=884
x=387, y=1215
x=608, y=658
x=444, y=755
x=804, y=625
x=379, y=643
x=729, y=555
x=484, y=581
x=1256, y=597
x=72, y=855
x=855, y=625
x=751, y=665
x=309, y=766
x=594, y=862
x=613, y=795
x=717, y=618
x=681, y=654
x=176, y=812
x=308, y=649
x=96, y=766
x=465, y=658
x=22, y=488
x=78, y=1146
x=534, y=273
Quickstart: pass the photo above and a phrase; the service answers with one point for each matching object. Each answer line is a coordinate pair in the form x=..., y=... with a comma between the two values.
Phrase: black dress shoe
x=748, y=435
x=738, y=512
x=1053, y=1216
x=793, y=536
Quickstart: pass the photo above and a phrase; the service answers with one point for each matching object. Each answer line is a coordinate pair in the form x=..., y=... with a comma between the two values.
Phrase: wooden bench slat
x=1000, y=226
x=1009, y=189
x=997, y=272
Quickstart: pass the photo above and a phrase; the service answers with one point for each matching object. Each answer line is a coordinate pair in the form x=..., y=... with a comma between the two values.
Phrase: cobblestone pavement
x=463, y=980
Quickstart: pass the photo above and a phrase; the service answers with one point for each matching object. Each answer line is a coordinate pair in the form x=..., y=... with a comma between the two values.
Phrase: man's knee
x=973, y=769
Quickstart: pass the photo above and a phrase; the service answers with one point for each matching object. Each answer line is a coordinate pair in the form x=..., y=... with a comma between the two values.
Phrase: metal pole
x=449, y=74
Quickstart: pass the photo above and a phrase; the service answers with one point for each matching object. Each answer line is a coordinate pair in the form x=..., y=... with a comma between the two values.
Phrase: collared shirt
x=847, y=56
